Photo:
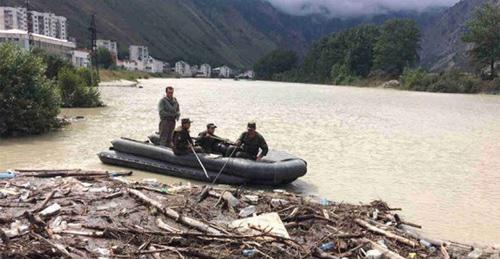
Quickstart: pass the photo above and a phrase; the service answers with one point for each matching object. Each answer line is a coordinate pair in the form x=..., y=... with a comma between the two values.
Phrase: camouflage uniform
x=181, y=140
x=169, y=112
x=208, y=142
x=250, y=146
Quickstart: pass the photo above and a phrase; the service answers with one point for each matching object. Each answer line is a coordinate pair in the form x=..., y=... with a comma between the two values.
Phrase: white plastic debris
x=373, y=254
x=476, y=253
x=86, y=184
x=279, y=202
x=245, y=212
x=100, y=189
x=251, y=198
x=52, y=209
x=269, y=222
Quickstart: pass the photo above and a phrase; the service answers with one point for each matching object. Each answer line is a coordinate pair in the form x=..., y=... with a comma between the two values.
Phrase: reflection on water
x=435, y=155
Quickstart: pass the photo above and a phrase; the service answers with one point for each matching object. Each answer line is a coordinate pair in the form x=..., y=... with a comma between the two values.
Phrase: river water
x=437, y=156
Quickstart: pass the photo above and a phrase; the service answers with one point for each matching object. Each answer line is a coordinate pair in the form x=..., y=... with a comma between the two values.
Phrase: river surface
x=437, y=156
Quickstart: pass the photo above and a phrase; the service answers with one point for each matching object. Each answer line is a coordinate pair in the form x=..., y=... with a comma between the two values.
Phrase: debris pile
x=78, y=214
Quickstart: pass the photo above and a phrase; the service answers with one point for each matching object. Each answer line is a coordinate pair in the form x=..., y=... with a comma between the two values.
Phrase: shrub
x=74, y=90
x=29, y=103
x=413, y=78
x=341, y=75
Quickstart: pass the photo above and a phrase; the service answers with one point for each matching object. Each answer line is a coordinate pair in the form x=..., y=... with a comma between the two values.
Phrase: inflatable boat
x=275, y=169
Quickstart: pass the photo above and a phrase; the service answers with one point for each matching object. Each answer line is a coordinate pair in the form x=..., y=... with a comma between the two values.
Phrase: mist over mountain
x=355, y=8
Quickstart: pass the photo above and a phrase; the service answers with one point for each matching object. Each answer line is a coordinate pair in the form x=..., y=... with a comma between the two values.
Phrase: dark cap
x=186, y=120
x=251, y=125
x=211, y=125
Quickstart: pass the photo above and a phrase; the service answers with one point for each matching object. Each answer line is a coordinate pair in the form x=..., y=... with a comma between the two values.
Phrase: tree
x=104, y=58
x=54, y=63
x=483, y=31
x=74, y=89
x=276, y=62
x=397, y=46
x=29, y=103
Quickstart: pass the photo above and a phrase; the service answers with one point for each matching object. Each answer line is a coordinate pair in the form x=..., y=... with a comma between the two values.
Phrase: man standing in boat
x=169, y=113
x=183, y=143
x=249, y=144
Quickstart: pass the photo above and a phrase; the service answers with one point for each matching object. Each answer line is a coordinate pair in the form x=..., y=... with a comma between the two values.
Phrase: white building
x=48, y=24
x=154, y=66
x=24, y=40
x=111, y=46
x=183, y=69
x=249, y=74
x=205, y=71
x=224, y=71
x=13, y=18
x=80, y=58
x=131, y=65
x=138, y=53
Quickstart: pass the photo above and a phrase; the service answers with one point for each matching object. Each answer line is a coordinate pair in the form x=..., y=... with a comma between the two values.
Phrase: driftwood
x=385, y=233
x=386, y=252
x=44, y=203
x=166, y=227
x=231, y=201
x=176, y=225
x=67, y=173
x=174, y=214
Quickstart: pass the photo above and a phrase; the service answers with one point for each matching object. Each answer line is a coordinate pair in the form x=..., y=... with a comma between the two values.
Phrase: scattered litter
x=251, y=198
x=86, y=184
x=100, y=189
x=247, y=211
x=107, y=216
x=248, y=252
x=373, y=254
x=327, y=246
x=52, y=209
x=267, y=223
x=279, y=202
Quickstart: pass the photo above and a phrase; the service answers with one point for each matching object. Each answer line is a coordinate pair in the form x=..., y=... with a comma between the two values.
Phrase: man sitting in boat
x=183, y=143
x=208, y=140
x=249, y=144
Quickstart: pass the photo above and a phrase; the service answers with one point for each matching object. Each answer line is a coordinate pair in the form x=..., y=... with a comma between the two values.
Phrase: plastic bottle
x=327, y=246
x=324, y=202
x=427, y=245
x=7, y=175
x=248, y=252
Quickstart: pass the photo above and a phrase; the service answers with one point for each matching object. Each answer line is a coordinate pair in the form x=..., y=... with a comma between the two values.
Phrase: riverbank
x=115, y=75
x=75, y=214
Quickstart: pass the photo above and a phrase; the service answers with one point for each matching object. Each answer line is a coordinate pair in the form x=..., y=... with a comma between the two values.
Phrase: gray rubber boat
x=277, y=168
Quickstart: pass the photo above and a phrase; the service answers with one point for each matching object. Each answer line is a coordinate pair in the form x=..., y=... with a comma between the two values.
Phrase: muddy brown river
x=437, y=156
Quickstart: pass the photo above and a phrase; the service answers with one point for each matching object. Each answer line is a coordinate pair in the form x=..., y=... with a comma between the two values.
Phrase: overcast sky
x=349, y=8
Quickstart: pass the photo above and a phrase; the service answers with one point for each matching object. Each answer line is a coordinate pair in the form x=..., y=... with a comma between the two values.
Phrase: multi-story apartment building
x=13, y=18
x=48, y=24
x=111, y=46
x=138, y=53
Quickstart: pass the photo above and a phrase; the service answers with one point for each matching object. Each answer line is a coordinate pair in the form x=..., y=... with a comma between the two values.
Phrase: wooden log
x=69, y=173
x=386, y=252
x=57, y=246
x=166, y=227
x=79, y=233
x=385, y=233
x=174, y=214
x=227, y=196
x=45, y=201
x=444, y=252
